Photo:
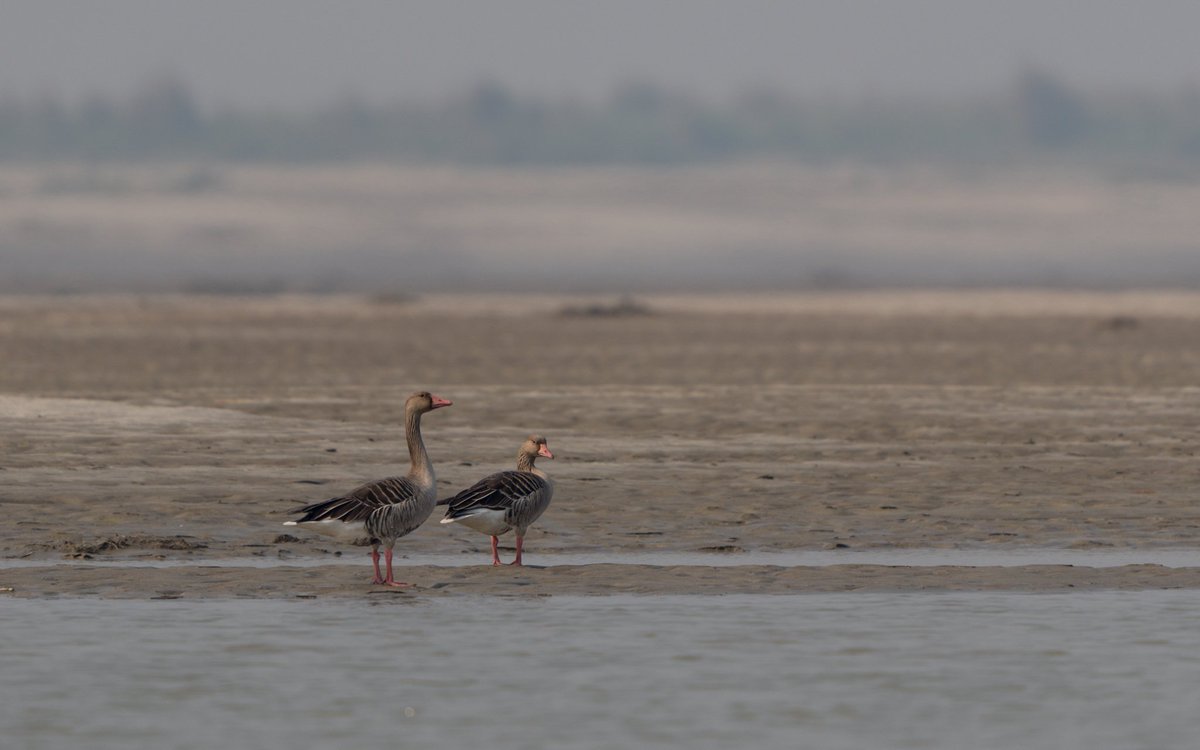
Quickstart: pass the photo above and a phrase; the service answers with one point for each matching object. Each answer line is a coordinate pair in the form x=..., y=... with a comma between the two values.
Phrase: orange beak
x=439, y=402
x=544, y=450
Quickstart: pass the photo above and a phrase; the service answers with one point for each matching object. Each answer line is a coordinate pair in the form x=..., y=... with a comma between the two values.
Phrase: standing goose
x=387, y=509
x=506, y=500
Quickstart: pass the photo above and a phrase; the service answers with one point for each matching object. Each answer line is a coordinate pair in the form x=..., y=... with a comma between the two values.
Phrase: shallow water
x=1097, y=558
x=854, y=671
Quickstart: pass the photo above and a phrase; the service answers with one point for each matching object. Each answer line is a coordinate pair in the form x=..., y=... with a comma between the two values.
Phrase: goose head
x=535, y=445
x=424, y=401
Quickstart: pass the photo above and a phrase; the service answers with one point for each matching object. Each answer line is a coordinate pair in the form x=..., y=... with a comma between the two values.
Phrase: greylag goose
x=506, y=500
x=387, y=509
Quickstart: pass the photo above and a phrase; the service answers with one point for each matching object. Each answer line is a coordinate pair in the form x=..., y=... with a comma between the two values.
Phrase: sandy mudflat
x=185, y=428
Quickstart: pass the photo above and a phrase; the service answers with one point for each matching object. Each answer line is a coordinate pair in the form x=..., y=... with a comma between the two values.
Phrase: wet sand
x=188, y=427
x=342, y=581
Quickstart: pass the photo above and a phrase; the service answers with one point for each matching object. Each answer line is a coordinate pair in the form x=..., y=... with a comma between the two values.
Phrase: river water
x=971, y=671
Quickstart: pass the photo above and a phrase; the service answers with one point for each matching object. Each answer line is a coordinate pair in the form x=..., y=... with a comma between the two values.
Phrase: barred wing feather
x=363, y=502
x=503, y=491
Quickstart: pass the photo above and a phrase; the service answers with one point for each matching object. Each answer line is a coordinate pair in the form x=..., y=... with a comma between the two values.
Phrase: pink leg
x=387, y=555
x=375, y=561
x=495, y=550
x=520, y=542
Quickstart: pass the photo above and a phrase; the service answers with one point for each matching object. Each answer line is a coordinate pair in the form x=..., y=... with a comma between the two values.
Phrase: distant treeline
x=1039, y=116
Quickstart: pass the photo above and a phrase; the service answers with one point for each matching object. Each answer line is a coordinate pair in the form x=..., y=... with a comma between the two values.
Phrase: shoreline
x=350, y=582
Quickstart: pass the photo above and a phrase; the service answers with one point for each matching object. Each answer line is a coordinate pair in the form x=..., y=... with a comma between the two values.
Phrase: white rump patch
x=484, y=520
x=347, y=532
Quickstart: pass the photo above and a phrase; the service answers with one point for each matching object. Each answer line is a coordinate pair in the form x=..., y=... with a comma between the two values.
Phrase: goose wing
x=361, y=503
x=506, y=490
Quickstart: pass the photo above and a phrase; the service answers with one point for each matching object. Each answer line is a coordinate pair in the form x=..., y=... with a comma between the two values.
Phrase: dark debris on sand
x=78, y=548
x=626, y=307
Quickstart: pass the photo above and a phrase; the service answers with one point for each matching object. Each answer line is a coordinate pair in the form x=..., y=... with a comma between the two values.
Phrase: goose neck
x=422, y=468
x=525, y=463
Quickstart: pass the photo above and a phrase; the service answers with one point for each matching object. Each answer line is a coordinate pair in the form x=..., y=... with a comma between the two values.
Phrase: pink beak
x=439, y=402
x=544, y=450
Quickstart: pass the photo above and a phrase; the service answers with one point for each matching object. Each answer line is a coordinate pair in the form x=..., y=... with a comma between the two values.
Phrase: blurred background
x=627, y=146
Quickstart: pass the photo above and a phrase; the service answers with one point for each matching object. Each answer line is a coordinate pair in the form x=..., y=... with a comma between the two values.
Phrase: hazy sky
x=300, y=52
